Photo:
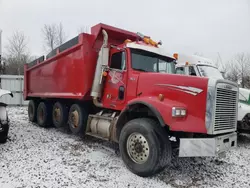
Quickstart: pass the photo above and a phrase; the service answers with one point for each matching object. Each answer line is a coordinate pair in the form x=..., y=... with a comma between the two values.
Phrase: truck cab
x=197, y=66
x=194, y=65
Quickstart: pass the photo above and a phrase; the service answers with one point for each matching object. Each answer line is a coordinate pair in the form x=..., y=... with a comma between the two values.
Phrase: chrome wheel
x=138, y=148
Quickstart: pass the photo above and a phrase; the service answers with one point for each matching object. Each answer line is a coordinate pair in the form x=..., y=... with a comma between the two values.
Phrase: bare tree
x=49, y=33
x=221, y=65
x=17, y=44
x=60, y=34
x=17, y=53
x=239, y=69
x=54, y=36
x=232, y=73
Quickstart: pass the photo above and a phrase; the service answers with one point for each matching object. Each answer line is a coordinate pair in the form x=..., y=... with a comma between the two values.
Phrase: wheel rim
x=138, y=148
x=75, y=118
x=57, y=114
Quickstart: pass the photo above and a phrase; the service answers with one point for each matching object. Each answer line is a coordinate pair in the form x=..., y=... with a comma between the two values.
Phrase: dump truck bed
x=67, y=73
x=68, y=70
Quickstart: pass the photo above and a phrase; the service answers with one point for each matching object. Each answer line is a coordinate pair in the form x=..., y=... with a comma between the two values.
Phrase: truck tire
x=145, y=147
x=32, y=111
x=59, y=115
x=4, y=134
x=77, y=119
x=44, y=114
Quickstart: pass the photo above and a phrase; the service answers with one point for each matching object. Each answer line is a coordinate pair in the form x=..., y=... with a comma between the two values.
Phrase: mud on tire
x=59, y=115
x=156, y=149
x=32, y=111
x=44, y=114
x=77, y=119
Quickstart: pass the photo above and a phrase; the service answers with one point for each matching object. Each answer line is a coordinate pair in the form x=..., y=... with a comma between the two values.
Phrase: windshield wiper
x=141, y=70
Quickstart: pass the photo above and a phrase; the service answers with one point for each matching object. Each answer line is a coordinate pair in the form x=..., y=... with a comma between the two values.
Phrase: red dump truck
x=121, y=86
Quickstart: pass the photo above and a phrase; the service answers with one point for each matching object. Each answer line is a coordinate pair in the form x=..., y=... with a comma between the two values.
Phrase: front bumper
x=207, y=147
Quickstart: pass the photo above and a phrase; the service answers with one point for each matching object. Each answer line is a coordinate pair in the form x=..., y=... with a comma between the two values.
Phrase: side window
x=118, y=61
x=164, y=67
x=180, y=70
x=191, y=71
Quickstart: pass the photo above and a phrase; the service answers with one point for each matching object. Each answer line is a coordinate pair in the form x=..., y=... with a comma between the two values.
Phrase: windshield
x=150, y=62
x=208, y=71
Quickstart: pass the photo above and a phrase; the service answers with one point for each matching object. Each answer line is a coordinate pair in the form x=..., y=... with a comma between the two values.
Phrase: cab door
x=114, y=93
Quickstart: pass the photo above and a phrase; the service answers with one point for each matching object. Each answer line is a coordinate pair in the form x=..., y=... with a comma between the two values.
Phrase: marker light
x=146, y=40
x=178, y=112
x=153, y=43
x=104, y=74
x=186, y=63
x=175, y=56
x=161, y=97
x=127, y=41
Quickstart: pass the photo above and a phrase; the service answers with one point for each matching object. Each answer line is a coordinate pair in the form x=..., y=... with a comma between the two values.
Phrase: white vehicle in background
x=4, y=119
x=199, y=66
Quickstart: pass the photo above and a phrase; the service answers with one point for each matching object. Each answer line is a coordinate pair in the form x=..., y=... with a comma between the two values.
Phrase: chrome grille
x=225, y=110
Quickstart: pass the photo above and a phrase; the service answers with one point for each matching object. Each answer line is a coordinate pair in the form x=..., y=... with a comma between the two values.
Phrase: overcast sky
x=185, y=26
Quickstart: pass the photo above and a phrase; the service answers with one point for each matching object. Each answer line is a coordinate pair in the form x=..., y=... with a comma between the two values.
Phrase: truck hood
x=179, y=91
x=174, y=86
x=5, y=92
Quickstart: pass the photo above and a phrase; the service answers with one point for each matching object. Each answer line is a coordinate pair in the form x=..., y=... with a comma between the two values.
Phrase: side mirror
x=121, y=93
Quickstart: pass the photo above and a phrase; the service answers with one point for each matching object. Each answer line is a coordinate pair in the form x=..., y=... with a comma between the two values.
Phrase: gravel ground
x=37, y=157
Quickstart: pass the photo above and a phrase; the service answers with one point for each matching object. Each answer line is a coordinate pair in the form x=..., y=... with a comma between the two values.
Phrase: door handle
x=121, y=93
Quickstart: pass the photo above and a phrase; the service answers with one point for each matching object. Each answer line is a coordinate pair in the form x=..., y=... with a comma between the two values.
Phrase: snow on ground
x=38, y=157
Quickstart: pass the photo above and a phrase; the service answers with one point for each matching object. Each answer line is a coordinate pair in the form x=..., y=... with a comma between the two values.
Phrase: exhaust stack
x=102, y=62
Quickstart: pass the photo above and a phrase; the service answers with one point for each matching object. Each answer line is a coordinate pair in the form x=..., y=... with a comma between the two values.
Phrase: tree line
x=17, y=54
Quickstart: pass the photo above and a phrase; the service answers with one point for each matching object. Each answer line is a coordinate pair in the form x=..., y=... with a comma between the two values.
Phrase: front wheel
x=144, y=146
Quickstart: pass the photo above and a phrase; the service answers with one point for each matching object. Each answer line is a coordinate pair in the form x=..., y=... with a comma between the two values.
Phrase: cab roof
x=159, y=51
x=193, y=60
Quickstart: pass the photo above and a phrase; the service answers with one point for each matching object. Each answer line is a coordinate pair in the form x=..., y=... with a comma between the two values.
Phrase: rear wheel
x=59, y=115
x=44, y=114
x=32, y=111
x=77, y=119
x=144, y=146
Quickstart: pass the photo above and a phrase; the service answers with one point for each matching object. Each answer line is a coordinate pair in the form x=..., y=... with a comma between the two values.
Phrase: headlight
x=179, y=112
x=209, y=106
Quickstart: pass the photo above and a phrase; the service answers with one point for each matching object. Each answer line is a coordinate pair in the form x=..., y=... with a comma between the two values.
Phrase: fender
x=161, y=109
x=243, y=110
x=151, y=107
x=5, y=92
